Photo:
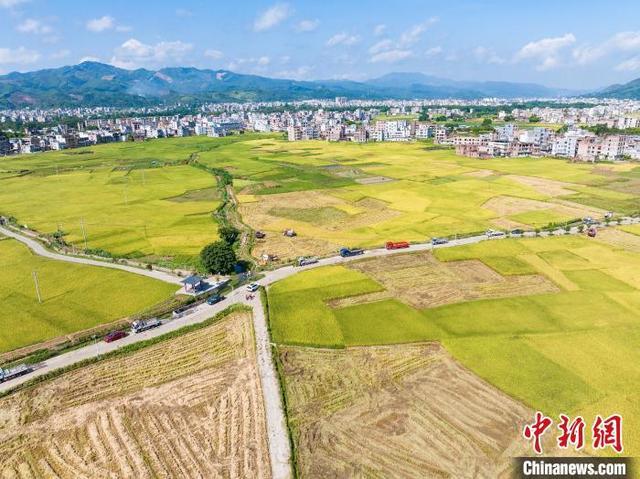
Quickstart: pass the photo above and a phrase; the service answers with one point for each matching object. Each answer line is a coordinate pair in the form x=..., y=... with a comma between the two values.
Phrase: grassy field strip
x=553, y=274
x=74, y=296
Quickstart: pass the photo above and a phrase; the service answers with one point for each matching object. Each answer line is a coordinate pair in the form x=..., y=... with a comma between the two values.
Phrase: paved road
x=279, y=449
x=39, y=249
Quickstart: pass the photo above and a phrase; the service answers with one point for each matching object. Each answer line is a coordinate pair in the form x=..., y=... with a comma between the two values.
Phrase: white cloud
x=307, y=25
x=31, y=25
x=487, y=55
x=546, y=51
x=412, y=35
x=90, y=58
x=254, y=64
x=433, y=51
x=101, y=24
x=630, y=65
x=379, y=29
x=134, y=53
x=272, y=17
x=620, y=42
x=342, y=39
x=390, y=56
x=285, y=59
x=381, y=46
x=300, y=73
x=214, y=54
x=18, y=56
x=11, y=3
x=60, y=54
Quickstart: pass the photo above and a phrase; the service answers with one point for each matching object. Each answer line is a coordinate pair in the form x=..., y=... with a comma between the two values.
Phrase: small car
x=216, y=298
x=253, y=287
x=114, y=336
x=437, y=241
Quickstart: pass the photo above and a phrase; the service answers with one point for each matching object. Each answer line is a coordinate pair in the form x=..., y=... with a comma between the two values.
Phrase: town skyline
x=544, y=43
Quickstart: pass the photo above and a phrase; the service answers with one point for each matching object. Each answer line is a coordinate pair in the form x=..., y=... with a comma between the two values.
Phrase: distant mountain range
x=630, y=90
x=98, y=84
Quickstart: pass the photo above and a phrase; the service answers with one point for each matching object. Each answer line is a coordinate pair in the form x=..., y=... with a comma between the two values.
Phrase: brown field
x=422, y=281
x=319, y=218
x=511, y=205
x=187, y=407
x=544, y=186
x=397, y=411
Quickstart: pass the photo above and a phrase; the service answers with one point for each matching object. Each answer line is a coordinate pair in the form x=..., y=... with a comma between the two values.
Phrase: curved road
x=40, y=250
x=279, y=448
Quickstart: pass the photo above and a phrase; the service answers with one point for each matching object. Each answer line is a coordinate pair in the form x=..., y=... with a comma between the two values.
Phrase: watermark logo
x=605, y=432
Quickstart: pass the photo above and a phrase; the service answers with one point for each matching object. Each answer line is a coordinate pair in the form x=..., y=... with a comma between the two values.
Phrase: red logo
x=605, y=432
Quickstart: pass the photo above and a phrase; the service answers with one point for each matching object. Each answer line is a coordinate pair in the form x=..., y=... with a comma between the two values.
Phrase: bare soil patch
x=187, y=407
x=422, y=281
x=399, y=411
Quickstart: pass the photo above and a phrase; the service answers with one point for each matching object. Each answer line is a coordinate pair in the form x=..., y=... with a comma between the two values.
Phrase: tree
x=218, y=258
x=534, y=119
x=228, y=234
x=487, y=122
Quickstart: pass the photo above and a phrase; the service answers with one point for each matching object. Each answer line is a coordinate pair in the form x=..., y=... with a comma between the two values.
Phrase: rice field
x=74, y=296
x=190, y=406
x=553, y=322
x=149, y=200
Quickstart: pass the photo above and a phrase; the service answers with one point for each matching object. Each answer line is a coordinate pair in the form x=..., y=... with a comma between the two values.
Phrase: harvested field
x=401, y=411
x=322, y=221
x=510, y=205
x=187, y=407
x=422, y=281
x=620, y=239
x=544, y=186
x=372, y=180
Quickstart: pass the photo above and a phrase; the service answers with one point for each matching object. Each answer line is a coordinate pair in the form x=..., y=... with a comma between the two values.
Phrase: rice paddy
x=74, y=297
x=542, y=319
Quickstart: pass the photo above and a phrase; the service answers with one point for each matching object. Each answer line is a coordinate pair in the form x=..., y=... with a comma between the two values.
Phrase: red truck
x=396, y=244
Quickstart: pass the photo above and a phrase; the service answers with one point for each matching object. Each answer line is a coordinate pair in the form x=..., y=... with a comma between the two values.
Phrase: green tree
x=487, y=122
x=228, y=234
x=218, y=258
x=534, y=119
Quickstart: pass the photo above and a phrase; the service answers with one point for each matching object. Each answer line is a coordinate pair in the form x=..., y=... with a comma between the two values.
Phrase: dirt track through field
x=398, y=411
x=188, y=407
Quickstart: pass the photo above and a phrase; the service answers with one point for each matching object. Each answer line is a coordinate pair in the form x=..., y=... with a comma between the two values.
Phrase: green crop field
x=574, y=351
x=143, y=199
x=151, y=199
x=74, y=297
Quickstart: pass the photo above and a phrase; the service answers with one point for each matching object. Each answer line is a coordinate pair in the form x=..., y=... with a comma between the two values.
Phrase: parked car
x=253, y=287
x=114, y=336
x=517, y=232
x=437, y=241
x=216, y=298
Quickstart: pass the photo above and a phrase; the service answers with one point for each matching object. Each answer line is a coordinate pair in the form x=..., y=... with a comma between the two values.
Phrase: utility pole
x=35, y=280
x=84, y=233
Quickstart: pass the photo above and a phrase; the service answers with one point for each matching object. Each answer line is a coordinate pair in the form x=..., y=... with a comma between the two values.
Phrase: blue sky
x=574, y=44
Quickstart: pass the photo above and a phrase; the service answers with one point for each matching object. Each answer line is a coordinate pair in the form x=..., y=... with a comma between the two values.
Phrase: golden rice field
x=186, y=407
x=552, y=322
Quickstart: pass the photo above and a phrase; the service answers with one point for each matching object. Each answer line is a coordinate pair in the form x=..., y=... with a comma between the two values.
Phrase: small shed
x=192, y=283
